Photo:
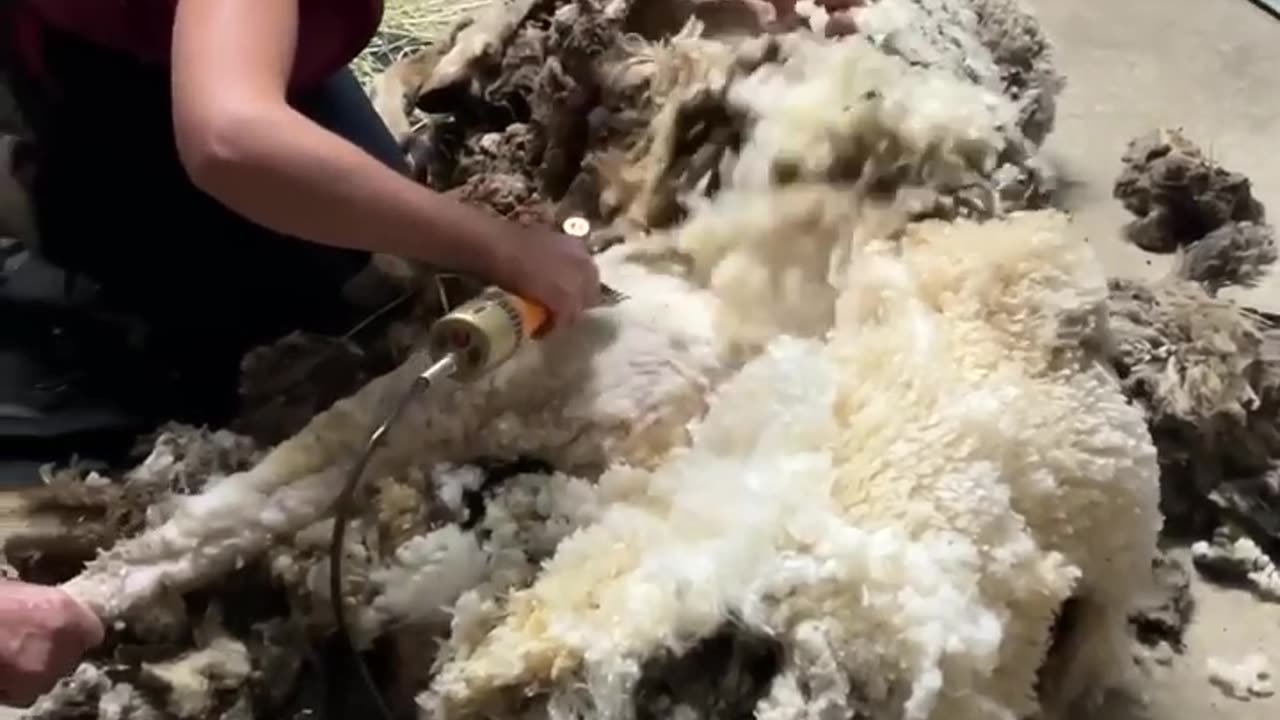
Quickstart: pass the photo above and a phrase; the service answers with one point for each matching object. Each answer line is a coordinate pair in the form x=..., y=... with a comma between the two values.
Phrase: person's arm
x=243, y=144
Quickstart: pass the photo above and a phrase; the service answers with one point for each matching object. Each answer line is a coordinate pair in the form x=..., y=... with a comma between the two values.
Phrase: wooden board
x=14, y=515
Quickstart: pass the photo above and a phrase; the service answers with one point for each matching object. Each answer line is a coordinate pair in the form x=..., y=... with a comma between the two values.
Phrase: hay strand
x=407, y=27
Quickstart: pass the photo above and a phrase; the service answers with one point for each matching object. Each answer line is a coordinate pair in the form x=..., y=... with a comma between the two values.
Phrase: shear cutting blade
x=610, y=296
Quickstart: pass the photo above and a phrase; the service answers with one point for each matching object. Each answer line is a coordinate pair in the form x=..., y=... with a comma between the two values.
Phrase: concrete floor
x=1210, y=68
x=1136, y=65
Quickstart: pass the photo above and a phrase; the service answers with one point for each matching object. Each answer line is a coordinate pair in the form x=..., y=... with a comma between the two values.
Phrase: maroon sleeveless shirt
x=331, y=33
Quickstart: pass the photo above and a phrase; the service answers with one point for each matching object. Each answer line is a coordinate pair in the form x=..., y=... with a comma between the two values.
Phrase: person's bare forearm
x=281, y=170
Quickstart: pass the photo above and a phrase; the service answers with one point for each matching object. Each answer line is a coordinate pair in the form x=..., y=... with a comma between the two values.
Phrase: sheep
x=954, y=439
x=680, y=332
x=919, y=494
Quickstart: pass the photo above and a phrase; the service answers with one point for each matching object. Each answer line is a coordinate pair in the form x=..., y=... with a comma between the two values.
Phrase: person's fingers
x=572, y=307
x=590, y=290
x=841, y=25
x=562, y=310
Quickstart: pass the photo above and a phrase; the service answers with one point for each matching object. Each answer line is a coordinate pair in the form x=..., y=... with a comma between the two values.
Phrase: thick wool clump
x=996, y=44
x=1205, y=368
x=1178, y=194
x=1207, y=373
x=818, y=110
x=431, y=578
x=680, y=130
x=91, y=690
x=806, y=505
x=863, y=107
x=1246, y=679
x=1235, y=254
x=527, y=75
x=1238, y=561
x=619, y=113
x=1186, y=355
x=1024, y=54
x=833, y=123
x=767, y=287
x=77, y=510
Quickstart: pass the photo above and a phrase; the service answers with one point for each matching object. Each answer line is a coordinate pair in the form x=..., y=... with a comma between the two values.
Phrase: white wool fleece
x=919, y=495
x=836, y=103
x=831, y=116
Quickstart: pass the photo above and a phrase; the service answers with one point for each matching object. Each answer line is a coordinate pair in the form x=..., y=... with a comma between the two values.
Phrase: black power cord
x=343, y=509
x=1270, y=7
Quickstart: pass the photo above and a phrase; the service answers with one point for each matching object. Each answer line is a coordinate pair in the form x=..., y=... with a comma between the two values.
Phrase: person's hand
x=787, y=7
x=554, y=270
x=841, y=22
x=44, y=632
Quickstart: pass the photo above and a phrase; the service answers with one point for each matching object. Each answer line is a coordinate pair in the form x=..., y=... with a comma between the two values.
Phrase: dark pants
x=114, y=204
